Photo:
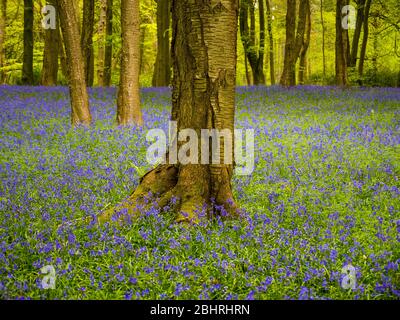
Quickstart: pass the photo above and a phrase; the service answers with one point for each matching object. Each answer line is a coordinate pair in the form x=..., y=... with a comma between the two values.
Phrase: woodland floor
x=324, y=195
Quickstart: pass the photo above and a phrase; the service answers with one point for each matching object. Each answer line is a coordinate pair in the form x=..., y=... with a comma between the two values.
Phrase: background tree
x=363, y=50
x=105, y=32
x=294, y=40
x=271, y=43
x=357, y=32
x=305, y=46
x=162, y=67
x=128, y=111
x=3, y=17
x=341, y=46
x=87, y=40
x=27, y=67
x=50, y=54
x=80, y=112
x=203, y=98
x=323, y=39
x=254, y=55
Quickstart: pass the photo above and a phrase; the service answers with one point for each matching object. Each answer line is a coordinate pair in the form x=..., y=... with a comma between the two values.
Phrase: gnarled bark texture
x=80, y=113
x=204, y=61
x=128, y=110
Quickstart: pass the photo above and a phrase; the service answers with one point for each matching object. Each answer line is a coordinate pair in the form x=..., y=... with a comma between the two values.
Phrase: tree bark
x=323, y=40
x=255, y=59
x=305, y=46
x=80, y=113
x=363, y=50
x=27, y=66
x=203, y=98
x=87, y=40
x=3, y=17
x=357, y=33
x=61, y=51
x=271, y=44
x=294, y=40
x=109, y=44
x=162, y=67
x=128, y=111
x=50, y=55
x=102, y=41
x=341, y=46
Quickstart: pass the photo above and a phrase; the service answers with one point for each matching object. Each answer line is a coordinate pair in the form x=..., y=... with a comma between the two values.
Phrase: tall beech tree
x=203, y=98
x=294, y=40
x=128, y=109
x=254, y=53
x=50, y=54
x=27, y=65
x=341, y=46
x=87, y=40
x=162, y=67
x=80, y=112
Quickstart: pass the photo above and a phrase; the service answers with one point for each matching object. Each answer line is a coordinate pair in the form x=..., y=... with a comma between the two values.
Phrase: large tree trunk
x=305, y=46
x=162, y=67
x=363, y=50
x=128, y=111
x=271, y=44
x=341, y=46
x=3, y=6
x=294, y=41
x=27, y=66
x=50, y=55
x=357, y=33
x=80, y=113
x=203, y=98
x=87, y=40
x=255, y=59
x=109, y=44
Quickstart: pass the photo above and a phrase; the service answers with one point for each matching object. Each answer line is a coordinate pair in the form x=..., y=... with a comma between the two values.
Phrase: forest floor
x=324, y=195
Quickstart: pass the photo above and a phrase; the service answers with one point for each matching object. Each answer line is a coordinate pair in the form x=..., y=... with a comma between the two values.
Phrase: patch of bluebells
x=324, y=195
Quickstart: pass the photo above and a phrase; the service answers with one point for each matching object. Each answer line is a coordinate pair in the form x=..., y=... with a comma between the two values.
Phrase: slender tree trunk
x=102, y=41
x=87, y=40
x=323, y=40
x=50, y=55
x=61, y=51
x=294, y=41
x=203, y=98
x=27, y=67
x=341, y=46
x=246, y=67
x=162, y=67
x=109, y=44
x=363, y=50
x=128, y=112
x=255, y=57
x=357, y=33
x=80, y=113
x=305, y=46
x=3, y=17
x=271, y=44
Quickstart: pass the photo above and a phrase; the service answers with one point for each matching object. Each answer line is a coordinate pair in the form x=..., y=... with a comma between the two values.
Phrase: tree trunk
x=294, y=41
x=162, y=67
x=102, y=41
x=87, y=40
x=143, y=30
x=363, y=50
x=80, y=113
x=109, y=44
x=255, y=59
x=203, y=98
x=271, y=44
x=128, y=112
x=3, y=6
x=357, y=33
x=341, y=46
x=50, y=55
x=27, y=67
x=61, y=51
x=323, y=40
x=305, y=46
